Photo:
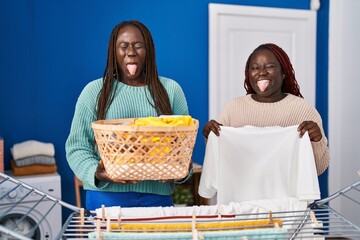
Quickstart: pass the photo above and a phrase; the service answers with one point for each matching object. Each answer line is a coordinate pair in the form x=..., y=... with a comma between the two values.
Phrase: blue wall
x=49, y=50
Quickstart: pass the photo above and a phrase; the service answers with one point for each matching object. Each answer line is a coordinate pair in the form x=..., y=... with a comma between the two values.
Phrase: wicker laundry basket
x=144, y=152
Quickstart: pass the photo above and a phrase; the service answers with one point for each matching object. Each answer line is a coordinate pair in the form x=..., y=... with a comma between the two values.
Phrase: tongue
x=263, y=84
x=131, y=68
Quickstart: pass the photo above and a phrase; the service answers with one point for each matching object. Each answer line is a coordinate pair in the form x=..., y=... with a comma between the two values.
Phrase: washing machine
x=26, y=211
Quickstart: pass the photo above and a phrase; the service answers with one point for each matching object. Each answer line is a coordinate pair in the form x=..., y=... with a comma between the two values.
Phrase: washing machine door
x=21, y=224
x=25, y=221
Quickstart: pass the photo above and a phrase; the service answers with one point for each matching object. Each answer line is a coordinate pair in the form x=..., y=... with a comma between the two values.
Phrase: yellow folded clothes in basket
x=162, y=121
x=151, y=148
x=168, y=120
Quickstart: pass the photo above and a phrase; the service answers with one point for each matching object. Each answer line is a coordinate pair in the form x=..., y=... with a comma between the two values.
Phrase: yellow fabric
x=240, y=225
x=156, y=147
x=164, y=121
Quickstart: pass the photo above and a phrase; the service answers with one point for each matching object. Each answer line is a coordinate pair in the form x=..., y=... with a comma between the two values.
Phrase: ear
x=283, y=74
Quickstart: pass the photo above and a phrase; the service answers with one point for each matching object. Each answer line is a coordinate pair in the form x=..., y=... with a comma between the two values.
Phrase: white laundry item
x=252, y=163
x=32, y=148
x=246, y=207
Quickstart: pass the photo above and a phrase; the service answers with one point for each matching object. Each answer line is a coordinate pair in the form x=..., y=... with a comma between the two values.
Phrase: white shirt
x=252, y=163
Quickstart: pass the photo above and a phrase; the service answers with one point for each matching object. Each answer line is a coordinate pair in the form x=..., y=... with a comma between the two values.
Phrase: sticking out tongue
x=263, y=84
x=131, y=68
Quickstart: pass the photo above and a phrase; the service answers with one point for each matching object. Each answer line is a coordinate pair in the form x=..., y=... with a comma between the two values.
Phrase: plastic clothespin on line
x=82, y=216
x=97, y=228
x=103, y=212
x=193, y=226
x=276, y=226
x=108, y=224
x=313, y=218
x=119, y=220
x=218, y=210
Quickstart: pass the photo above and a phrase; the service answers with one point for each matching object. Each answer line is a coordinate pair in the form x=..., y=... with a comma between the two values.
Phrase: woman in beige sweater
x=273, y=99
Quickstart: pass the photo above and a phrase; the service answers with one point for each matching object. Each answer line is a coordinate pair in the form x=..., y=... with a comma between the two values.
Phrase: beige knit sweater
x=291, y=110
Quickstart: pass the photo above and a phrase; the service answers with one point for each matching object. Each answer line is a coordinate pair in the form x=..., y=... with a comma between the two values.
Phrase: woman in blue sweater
x=129, y=88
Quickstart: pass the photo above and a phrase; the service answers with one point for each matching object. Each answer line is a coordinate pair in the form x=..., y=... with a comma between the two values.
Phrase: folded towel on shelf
x=32, y=148
x=32, y=169
x=38, y=159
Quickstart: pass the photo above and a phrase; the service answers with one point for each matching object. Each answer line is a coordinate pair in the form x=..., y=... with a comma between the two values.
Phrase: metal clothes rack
x=334, y=226
x=327, y=223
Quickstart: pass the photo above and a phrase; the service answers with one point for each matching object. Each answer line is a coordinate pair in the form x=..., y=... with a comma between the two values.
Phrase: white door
x=235, y=31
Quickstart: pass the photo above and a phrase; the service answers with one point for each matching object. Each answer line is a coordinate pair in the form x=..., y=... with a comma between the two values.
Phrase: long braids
x=113, y=74
x=290, y=85
x=157, y=90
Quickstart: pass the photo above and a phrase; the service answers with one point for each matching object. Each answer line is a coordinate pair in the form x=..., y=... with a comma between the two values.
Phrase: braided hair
x=113, y=74
x=290, y=84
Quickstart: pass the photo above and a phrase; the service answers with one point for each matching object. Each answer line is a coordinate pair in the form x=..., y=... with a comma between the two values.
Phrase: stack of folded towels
x=33, y=157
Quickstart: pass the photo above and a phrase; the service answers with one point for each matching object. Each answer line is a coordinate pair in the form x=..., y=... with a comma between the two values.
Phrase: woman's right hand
x=101, y=175
x=211, y=126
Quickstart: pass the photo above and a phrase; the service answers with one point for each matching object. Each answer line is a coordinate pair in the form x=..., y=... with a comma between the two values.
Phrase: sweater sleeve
x=320, y=148
x=224, y=115
x=322, y=155
x=80, y=144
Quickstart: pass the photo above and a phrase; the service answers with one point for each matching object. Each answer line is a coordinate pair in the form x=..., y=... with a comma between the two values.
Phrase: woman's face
x=131, y=55
x=266, y=76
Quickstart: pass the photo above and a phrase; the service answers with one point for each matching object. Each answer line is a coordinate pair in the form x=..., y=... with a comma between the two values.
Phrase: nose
x=130, y=51
x=262, y=71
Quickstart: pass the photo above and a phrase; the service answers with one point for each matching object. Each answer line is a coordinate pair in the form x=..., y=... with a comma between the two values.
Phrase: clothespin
x=108, y=222
x=103, y=212
x=313, y=218
x=119, y=220
x=218, y=209
x=81, y=216
x=193, y=226
x=244, y=238
x=97, y=228
x=276, y=225
x=358, y=172
x=102, y=236
x=270, y=218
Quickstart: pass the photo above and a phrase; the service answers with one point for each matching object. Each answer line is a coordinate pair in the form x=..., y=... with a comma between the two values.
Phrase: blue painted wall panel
x=49, y=50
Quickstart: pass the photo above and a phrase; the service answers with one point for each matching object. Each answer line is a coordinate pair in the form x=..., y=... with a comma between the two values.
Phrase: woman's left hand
x=313, y=130
x=101, y=175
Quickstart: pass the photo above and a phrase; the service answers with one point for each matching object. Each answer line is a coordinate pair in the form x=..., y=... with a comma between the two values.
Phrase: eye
x=139, y=45
x=270, y=67
x=123, y=45
x=255, y=68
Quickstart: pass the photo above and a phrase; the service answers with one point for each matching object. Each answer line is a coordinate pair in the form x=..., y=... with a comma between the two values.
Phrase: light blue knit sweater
x=129, y=102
